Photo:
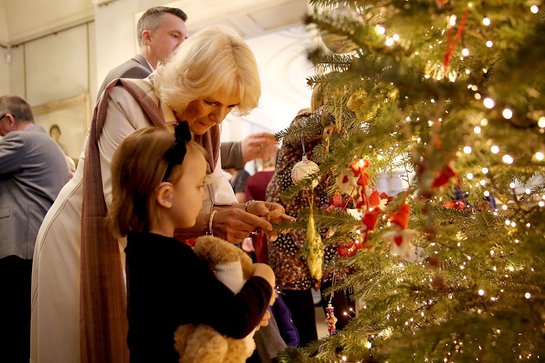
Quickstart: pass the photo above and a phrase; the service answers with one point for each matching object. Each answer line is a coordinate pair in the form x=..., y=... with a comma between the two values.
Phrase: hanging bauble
x=304, y=169
x=340, y=43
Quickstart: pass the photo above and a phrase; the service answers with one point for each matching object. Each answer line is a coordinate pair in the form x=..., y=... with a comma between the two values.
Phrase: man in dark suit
x=160, y=31
x=32, y=172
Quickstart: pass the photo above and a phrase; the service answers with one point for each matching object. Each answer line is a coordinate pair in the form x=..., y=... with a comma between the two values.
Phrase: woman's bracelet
x=247, y=205
x=210, y=230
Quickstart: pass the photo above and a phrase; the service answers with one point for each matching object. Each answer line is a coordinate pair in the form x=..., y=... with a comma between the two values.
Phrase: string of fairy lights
x=478, y=180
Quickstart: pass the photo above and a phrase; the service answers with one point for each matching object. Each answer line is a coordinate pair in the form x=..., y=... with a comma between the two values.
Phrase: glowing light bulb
x=495, y=149
x=534, y=9
x=541, y=122
x=527, y=295
x=465, y=52
x=512, y=185
x=507, y=113
x=489, y=43
x=389, y=42
x=396, y=37
x=481, y=292
x=380, y=29
x=452, y=20
x=485, y=170
x=484, y=122
x=477, y=129
x=469, y=176
x=467, y=149
x=486, y=21
x=486, y=193
x=488, y=102
x=508, y=159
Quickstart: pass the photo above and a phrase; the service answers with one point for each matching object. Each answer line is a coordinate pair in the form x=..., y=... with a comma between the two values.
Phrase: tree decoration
x=444, y=176
x=340, y=42
x=305, y=169
x=330, y=319
x=315, y=245
x=399, y=237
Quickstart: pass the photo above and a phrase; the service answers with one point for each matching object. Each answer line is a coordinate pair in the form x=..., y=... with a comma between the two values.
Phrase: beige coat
x=55, y=332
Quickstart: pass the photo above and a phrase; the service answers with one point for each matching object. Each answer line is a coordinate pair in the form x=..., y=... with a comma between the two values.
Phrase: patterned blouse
x=286, y=256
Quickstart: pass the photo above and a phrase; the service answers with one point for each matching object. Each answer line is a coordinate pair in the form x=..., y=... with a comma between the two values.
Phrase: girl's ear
x=165, y=194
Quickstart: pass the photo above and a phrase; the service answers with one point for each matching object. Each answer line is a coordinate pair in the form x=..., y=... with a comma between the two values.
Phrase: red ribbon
x=453, y=43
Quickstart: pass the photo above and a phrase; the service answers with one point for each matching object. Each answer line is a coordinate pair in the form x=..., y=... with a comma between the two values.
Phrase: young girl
x=158, y=186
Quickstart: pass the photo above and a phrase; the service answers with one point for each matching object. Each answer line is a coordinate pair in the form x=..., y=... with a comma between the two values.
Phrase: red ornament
x=369, y=220
x=444, y=175
x=401, y=217
x=336, y=200
x=350, y=248
x=454, y=204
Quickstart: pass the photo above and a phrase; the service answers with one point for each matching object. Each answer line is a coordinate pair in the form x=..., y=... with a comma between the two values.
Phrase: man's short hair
x=151, y=19
x=16, y=106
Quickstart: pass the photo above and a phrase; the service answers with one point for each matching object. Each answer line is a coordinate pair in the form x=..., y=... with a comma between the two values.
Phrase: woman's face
x=203, y=113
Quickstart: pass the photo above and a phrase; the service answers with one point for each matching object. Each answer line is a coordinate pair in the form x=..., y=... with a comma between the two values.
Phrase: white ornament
x=347, y=182
x=304, y=169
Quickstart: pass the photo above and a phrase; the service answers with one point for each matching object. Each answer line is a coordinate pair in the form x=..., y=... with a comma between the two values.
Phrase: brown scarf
x=103, y=304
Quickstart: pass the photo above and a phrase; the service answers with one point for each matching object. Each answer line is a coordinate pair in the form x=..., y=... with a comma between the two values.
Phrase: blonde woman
x=78, y=295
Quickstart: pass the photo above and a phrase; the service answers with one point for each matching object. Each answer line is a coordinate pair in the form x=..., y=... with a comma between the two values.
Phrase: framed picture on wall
x=67, y=121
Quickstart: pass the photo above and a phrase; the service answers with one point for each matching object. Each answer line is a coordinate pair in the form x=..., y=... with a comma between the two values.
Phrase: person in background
x=160, y=30
x=78, y=277
x=55, y=133
x=32, y=172
x=238, y=183
x=294, y=279
x=167, y=284
x=256, y=185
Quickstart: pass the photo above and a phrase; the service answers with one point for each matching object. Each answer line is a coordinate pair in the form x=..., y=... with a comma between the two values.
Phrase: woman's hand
x=272, y=212
x=233, y=224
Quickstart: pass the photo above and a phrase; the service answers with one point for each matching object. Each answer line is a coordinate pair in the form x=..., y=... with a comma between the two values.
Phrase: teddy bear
x=201, y=343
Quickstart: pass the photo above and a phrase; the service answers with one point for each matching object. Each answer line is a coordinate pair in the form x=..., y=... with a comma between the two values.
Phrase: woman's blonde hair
x=215, y=59
x=138, y=168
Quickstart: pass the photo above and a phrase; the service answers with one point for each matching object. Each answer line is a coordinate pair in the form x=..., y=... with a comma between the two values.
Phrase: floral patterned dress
x=286, y=256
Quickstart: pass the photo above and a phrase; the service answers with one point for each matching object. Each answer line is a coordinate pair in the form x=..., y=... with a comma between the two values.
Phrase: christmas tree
x=451, y=269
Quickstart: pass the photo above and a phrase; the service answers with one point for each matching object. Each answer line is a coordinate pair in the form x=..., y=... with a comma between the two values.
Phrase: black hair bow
x=175, y=155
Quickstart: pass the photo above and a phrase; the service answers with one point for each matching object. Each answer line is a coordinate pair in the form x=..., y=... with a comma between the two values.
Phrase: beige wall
x=28, y=19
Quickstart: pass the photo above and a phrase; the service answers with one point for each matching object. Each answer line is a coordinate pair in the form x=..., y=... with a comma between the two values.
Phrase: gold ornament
x=316, y=249
x=340, y=43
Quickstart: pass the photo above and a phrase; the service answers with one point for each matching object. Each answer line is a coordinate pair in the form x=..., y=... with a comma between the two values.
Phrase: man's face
x=6, y=124
x=166, y=38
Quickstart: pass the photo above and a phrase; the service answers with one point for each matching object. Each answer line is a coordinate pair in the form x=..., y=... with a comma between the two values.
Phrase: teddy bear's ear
x=165, y=195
